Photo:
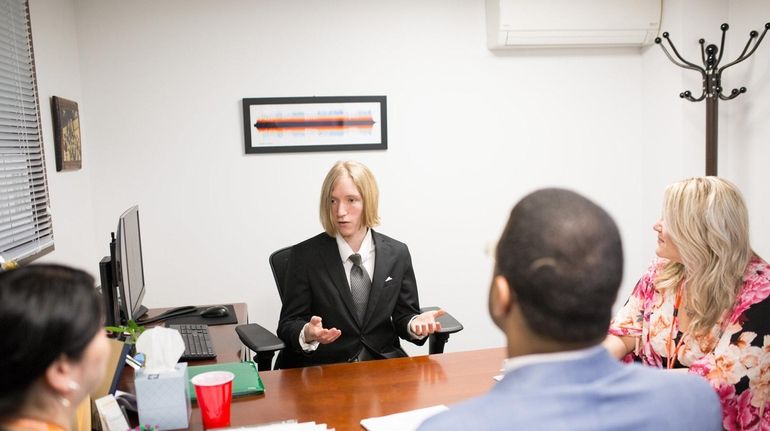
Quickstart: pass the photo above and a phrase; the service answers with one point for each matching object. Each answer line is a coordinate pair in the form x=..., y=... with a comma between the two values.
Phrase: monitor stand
x=141, y=311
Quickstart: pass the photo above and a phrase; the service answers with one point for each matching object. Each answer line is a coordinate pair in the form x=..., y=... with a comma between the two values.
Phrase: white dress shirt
x=366, y=251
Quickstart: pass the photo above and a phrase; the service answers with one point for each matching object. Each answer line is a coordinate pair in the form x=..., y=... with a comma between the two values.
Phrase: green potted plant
x=129, y=332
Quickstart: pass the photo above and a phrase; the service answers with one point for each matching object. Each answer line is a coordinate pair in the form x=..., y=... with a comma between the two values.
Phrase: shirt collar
x=517, y=362
x=346, y=251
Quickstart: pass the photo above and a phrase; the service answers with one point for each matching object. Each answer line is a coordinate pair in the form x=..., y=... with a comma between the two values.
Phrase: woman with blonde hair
x=703, y=304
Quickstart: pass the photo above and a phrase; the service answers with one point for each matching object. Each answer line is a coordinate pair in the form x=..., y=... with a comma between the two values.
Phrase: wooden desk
x=341, y=395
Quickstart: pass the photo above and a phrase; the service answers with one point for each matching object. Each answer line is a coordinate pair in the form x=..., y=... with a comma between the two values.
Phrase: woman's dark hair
x=45, y=311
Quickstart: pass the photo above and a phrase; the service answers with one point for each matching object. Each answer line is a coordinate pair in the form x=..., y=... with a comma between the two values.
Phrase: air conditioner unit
x=571, y=23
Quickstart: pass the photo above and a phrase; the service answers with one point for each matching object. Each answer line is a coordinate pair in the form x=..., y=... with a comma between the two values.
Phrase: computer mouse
x=215, y=311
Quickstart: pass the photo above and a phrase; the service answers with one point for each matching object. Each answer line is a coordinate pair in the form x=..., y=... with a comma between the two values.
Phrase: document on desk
x=247, y=381
x=406, y=421
x=110, y=415
x=284, y=426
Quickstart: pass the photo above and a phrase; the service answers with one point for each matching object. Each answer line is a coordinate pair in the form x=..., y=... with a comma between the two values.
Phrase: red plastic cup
x=214, y=390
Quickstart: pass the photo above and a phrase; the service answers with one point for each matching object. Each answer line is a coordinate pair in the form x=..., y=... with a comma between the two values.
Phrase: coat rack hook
x=711, y=57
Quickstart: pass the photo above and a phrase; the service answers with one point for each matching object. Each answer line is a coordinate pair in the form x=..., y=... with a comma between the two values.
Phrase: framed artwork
x=296, y=124
x=66, y=134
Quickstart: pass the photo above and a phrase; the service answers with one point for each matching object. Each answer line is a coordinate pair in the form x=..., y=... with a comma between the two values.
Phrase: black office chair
x=265, y=344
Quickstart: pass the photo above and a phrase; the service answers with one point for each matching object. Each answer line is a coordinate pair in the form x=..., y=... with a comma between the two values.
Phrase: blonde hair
x=365, y=183
x=707, y=220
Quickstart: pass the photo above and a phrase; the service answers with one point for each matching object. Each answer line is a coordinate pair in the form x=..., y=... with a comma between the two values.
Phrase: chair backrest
x=279, y=263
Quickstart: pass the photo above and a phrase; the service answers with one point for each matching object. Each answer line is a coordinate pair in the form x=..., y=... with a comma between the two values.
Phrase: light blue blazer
x=593, y=393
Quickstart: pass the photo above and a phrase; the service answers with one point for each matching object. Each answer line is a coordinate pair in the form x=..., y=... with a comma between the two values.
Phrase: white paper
x=406, y=421
x=110, y=415
x=284, y=426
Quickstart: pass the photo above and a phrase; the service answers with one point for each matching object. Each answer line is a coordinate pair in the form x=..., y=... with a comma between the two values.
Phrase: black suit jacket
x=316, y=285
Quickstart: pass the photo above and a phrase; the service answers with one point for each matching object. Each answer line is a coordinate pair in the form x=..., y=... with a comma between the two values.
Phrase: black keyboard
x=197, y=342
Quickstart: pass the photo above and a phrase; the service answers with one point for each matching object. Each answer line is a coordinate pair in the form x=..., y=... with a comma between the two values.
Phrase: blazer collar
x=330, y=254
x=383, y=262
x=566, y=371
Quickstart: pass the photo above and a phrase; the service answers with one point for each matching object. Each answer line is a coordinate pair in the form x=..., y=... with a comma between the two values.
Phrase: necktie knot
x=356, y=259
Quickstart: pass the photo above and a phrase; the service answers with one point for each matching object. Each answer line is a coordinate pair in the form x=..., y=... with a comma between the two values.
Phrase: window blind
x=26, y=229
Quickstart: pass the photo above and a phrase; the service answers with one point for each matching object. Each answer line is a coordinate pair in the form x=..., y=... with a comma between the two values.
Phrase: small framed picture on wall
x=66, y=134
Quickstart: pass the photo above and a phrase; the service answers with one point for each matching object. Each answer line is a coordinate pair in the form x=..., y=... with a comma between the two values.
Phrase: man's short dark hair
x=563, y=258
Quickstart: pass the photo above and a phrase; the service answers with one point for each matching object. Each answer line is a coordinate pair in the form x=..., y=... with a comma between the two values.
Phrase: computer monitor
x=129, y=266
x=122, y=272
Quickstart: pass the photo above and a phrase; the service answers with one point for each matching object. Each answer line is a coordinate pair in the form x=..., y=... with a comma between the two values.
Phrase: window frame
x=26, y=225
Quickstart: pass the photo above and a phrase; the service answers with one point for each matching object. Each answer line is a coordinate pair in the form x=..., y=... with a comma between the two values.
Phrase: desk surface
x=226, y=343
x=341, y=395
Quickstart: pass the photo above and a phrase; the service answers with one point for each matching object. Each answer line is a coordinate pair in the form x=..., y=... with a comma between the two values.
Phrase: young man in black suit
x=350, y=291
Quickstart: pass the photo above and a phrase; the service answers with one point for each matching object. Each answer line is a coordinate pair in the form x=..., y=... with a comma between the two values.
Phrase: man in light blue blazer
x=558, y=267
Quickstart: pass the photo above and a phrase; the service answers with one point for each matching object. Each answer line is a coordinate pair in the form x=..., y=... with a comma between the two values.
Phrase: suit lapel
x=383, y=259
x=330, y=254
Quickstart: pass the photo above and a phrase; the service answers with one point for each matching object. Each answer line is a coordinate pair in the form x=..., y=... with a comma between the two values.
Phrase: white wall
x=746, y=134
x=57, y=61
x=470, y=132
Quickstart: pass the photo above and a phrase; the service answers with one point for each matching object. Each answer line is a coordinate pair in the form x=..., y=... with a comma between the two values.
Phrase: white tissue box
x=163, y=399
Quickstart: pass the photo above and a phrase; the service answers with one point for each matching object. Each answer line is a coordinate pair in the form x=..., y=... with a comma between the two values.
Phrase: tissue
x=162, y=391
x=162, y=348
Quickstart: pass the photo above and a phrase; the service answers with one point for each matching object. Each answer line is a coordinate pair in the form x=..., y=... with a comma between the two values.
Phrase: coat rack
x=712, y=82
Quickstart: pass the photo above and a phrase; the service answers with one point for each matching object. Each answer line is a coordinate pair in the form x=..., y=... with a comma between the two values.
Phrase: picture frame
x=66, y=134
x=300, y=124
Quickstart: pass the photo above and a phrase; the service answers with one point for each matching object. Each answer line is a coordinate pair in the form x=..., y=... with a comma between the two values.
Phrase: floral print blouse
x=736, y=359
